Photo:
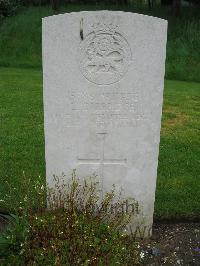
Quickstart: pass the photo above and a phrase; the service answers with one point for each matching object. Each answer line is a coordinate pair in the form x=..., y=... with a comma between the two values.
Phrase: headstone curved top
x=103, y=75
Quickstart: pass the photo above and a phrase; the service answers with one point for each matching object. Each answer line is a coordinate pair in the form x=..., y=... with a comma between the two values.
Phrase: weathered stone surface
x=103, y=91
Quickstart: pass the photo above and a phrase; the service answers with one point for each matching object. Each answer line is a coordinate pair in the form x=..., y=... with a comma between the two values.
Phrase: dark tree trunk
x=177, y=7
x=55, y=4
x=150, y=4
x=166, y=2
x=29, y=3
x=122, y=2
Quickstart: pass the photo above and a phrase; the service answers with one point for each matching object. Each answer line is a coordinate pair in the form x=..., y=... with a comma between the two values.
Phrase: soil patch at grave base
x=172, y=244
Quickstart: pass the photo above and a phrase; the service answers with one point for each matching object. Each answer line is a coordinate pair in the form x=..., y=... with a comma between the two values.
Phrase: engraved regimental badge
x=104, y=54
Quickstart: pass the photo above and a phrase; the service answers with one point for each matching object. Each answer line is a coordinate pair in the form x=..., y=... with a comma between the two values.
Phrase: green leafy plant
x=14, y=236
x=78, y=227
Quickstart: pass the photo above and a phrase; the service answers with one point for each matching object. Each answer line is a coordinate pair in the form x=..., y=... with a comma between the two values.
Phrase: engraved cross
x=102, y=160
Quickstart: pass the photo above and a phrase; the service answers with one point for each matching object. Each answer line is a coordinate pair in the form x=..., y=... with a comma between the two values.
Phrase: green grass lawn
x=21, y=130
x=22, y=141
x=178, y=185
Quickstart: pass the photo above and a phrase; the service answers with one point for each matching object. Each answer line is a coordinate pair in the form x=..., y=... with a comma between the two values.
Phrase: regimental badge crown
x=105, y=27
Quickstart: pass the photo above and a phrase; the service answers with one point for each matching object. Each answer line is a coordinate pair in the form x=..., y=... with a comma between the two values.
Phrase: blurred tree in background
x=8, y=7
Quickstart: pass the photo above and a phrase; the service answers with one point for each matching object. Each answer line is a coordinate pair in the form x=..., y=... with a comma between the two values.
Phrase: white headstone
x=103, y=91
